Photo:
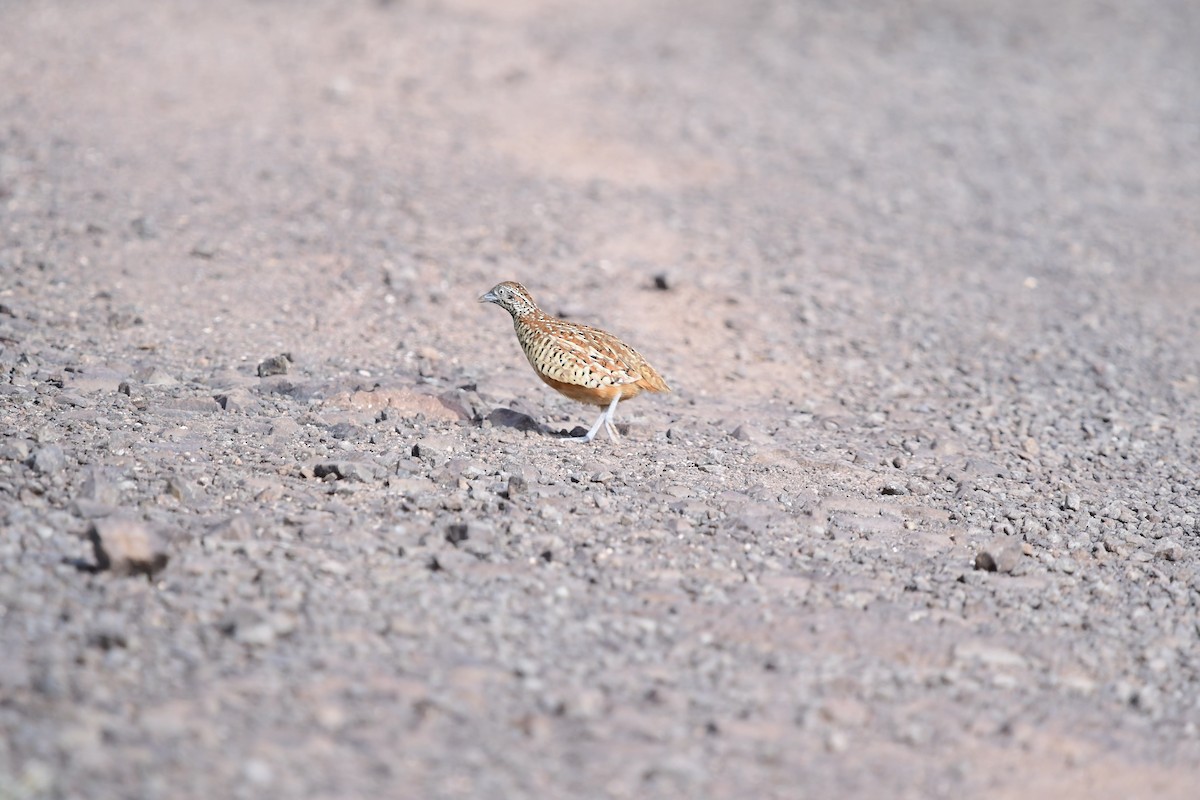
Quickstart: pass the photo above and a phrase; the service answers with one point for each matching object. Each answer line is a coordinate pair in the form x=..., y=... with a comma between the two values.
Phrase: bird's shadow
x=519, y=420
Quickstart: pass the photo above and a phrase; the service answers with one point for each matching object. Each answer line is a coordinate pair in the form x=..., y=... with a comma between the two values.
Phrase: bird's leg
x=609, y=425
x=604, y=419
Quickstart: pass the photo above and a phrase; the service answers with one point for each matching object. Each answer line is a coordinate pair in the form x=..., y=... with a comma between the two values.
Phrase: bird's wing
x=607, y=360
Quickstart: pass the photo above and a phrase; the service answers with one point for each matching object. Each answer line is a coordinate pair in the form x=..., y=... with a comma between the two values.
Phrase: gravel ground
x=284, y=512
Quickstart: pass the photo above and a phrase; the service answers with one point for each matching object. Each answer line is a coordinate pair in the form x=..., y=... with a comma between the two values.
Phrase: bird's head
x=512, y=297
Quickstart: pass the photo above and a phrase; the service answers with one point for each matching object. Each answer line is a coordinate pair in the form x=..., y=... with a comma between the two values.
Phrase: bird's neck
x=528, y=314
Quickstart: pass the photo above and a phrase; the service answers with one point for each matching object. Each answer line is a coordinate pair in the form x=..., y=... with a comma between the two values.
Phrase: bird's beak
x=490, y=297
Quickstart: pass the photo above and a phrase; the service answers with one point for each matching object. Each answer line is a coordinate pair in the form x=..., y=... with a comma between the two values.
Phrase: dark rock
x=345, y=430
x=985, y=561
x=346, y=470
x=276, y=365
x=144, y=227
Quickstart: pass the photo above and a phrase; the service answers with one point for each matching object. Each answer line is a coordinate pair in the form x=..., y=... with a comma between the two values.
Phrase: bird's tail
x=651, y=381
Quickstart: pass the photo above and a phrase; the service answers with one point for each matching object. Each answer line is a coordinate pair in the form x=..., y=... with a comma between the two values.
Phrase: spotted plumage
x=584, y=363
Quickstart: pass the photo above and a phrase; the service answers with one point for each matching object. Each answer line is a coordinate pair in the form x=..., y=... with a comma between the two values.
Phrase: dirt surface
x=920, y=519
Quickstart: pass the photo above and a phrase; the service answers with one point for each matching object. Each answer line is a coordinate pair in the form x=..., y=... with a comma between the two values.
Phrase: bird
x=583, y=363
